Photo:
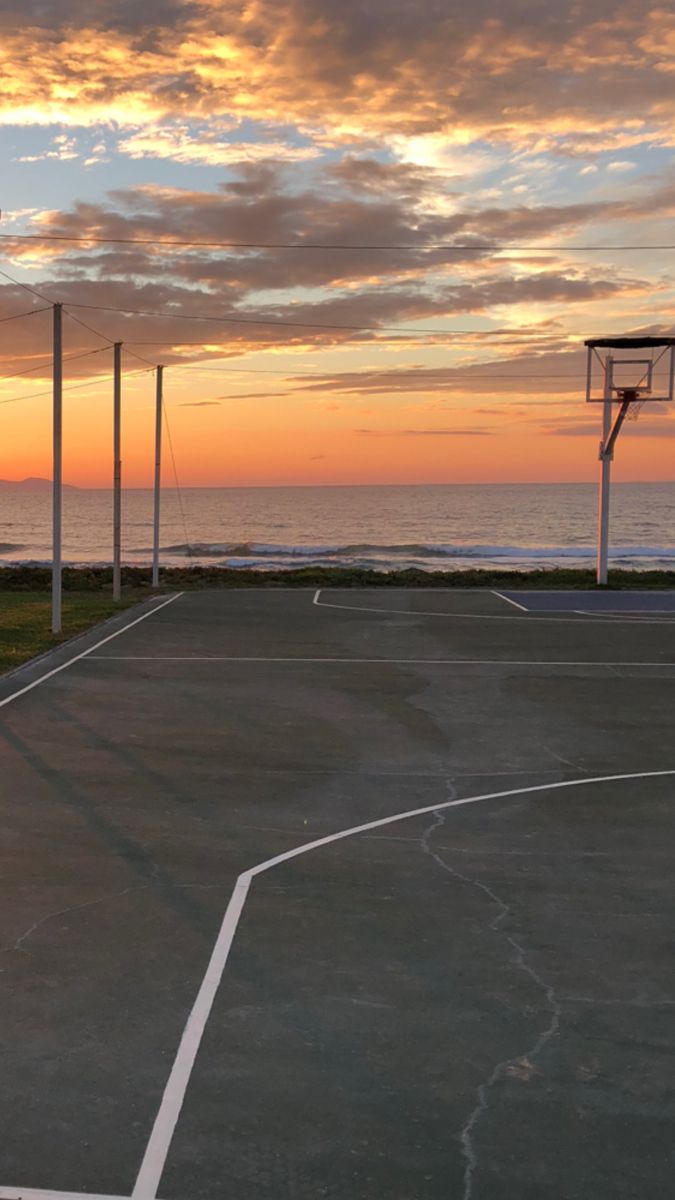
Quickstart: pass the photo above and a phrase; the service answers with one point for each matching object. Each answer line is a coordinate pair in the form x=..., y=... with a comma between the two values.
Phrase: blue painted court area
x=637, y=603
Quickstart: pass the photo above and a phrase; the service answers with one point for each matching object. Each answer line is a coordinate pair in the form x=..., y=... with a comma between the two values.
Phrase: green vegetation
x=25, y=620
x=99, y=579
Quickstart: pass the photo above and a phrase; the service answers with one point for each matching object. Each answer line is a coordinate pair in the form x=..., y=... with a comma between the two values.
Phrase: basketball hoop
x=629, y=378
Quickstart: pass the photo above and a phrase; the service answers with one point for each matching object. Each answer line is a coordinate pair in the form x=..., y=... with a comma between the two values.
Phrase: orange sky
x=530, y=134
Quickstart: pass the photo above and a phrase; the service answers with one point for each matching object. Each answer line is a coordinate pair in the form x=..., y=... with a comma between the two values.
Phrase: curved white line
x=154, y=1159
x=538, y=616
x=632, y=614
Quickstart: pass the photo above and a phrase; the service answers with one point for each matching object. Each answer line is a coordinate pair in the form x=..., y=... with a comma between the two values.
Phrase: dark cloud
x=423, y=432
x=362, y=290
x=513, y=68
x=199, y=404
x=372, y=177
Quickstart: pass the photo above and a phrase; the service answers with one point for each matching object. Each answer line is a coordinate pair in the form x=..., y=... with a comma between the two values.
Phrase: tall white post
x=57, y=475
x=605, y=478
x=158, y=477
x=117, y=471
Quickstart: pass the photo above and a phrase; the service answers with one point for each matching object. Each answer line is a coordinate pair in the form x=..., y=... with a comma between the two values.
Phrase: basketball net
x=636, y=408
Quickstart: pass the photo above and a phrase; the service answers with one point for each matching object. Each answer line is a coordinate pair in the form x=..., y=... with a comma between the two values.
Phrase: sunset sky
x=415, y=125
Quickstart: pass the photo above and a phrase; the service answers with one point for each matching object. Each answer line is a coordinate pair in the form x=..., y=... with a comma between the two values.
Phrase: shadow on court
x=475, y=1001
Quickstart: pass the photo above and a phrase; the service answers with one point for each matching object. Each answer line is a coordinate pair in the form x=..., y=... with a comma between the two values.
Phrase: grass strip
x=25, y=621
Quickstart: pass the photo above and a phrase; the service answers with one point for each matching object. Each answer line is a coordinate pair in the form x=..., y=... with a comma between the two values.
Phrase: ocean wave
x=250, y=552
x=383, y=557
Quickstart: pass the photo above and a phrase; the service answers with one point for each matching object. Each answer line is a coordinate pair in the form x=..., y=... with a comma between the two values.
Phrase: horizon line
x=209, y=487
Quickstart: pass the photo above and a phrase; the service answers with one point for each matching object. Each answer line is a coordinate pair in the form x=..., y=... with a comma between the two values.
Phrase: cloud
x=269, y=296
x=366, y=205
x=199, y=404
x=183, y=145
x=423, y=432
x=63, y=148
x=515, y=70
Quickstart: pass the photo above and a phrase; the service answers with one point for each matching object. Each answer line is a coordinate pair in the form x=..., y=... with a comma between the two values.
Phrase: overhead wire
x=29, y=313
x=140, y=357
x=41, y=366
x=89, y=328
x=212, y=317
x=272, y=321
x=69, y=387
x=449, y=247
x=105, y=337
x=26, y=286
x=374, y=371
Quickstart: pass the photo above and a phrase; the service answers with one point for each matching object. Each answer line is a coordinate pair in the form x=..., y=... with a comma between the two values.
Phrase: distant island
x=32, y=484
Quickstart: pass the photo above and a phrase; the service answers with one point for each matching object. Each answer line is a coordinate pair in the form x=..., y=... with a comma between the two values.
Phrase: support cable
x=179, y=493
x=41, y=366
x=70, y=387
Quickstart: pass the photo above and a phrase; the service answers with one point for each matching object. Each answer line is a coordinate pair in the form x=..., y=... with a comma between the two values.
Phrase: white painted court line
x=507, y=599
x=634, y=614
x=152, y=1167
x=85, y=654
x=530, y=616
x=427, y=662
x=42, y=1194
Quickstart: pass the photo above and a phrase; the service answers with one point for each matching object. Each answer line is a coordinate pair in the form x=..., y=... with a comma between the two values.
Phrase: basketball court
x=355, y=893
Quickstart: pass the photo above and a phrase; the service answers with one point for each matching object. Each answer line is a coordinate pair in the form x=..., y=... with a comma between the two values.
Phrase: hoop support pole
x=117, y=471
x=608, y=449
x=158, y=475
x=57, y=467
x=605, y=479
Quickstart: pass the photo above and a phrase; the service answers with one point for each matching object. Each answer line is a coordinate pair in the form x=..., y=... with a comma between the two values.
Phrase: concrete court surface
x=472, y=1003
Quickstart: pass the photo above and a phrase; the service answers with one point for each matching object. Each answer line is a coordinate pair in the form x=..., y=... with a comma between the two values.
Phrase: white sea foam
x=249, y=553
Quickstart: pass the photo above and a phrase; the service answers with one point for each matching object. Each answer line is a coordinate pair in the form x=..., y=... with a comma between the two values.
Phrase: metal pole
x=605, y=472
x=57, y=475
x=158, y=478
x=117, y=471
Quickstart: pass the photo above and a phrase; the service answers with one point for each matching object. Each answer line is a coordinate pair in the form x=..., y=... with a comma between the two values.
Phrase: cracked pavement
x=476, y=1005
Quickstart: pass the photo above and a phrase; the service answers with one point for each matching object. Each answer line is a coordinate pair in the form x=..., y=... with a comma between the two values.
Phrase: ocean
x=445, y=526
